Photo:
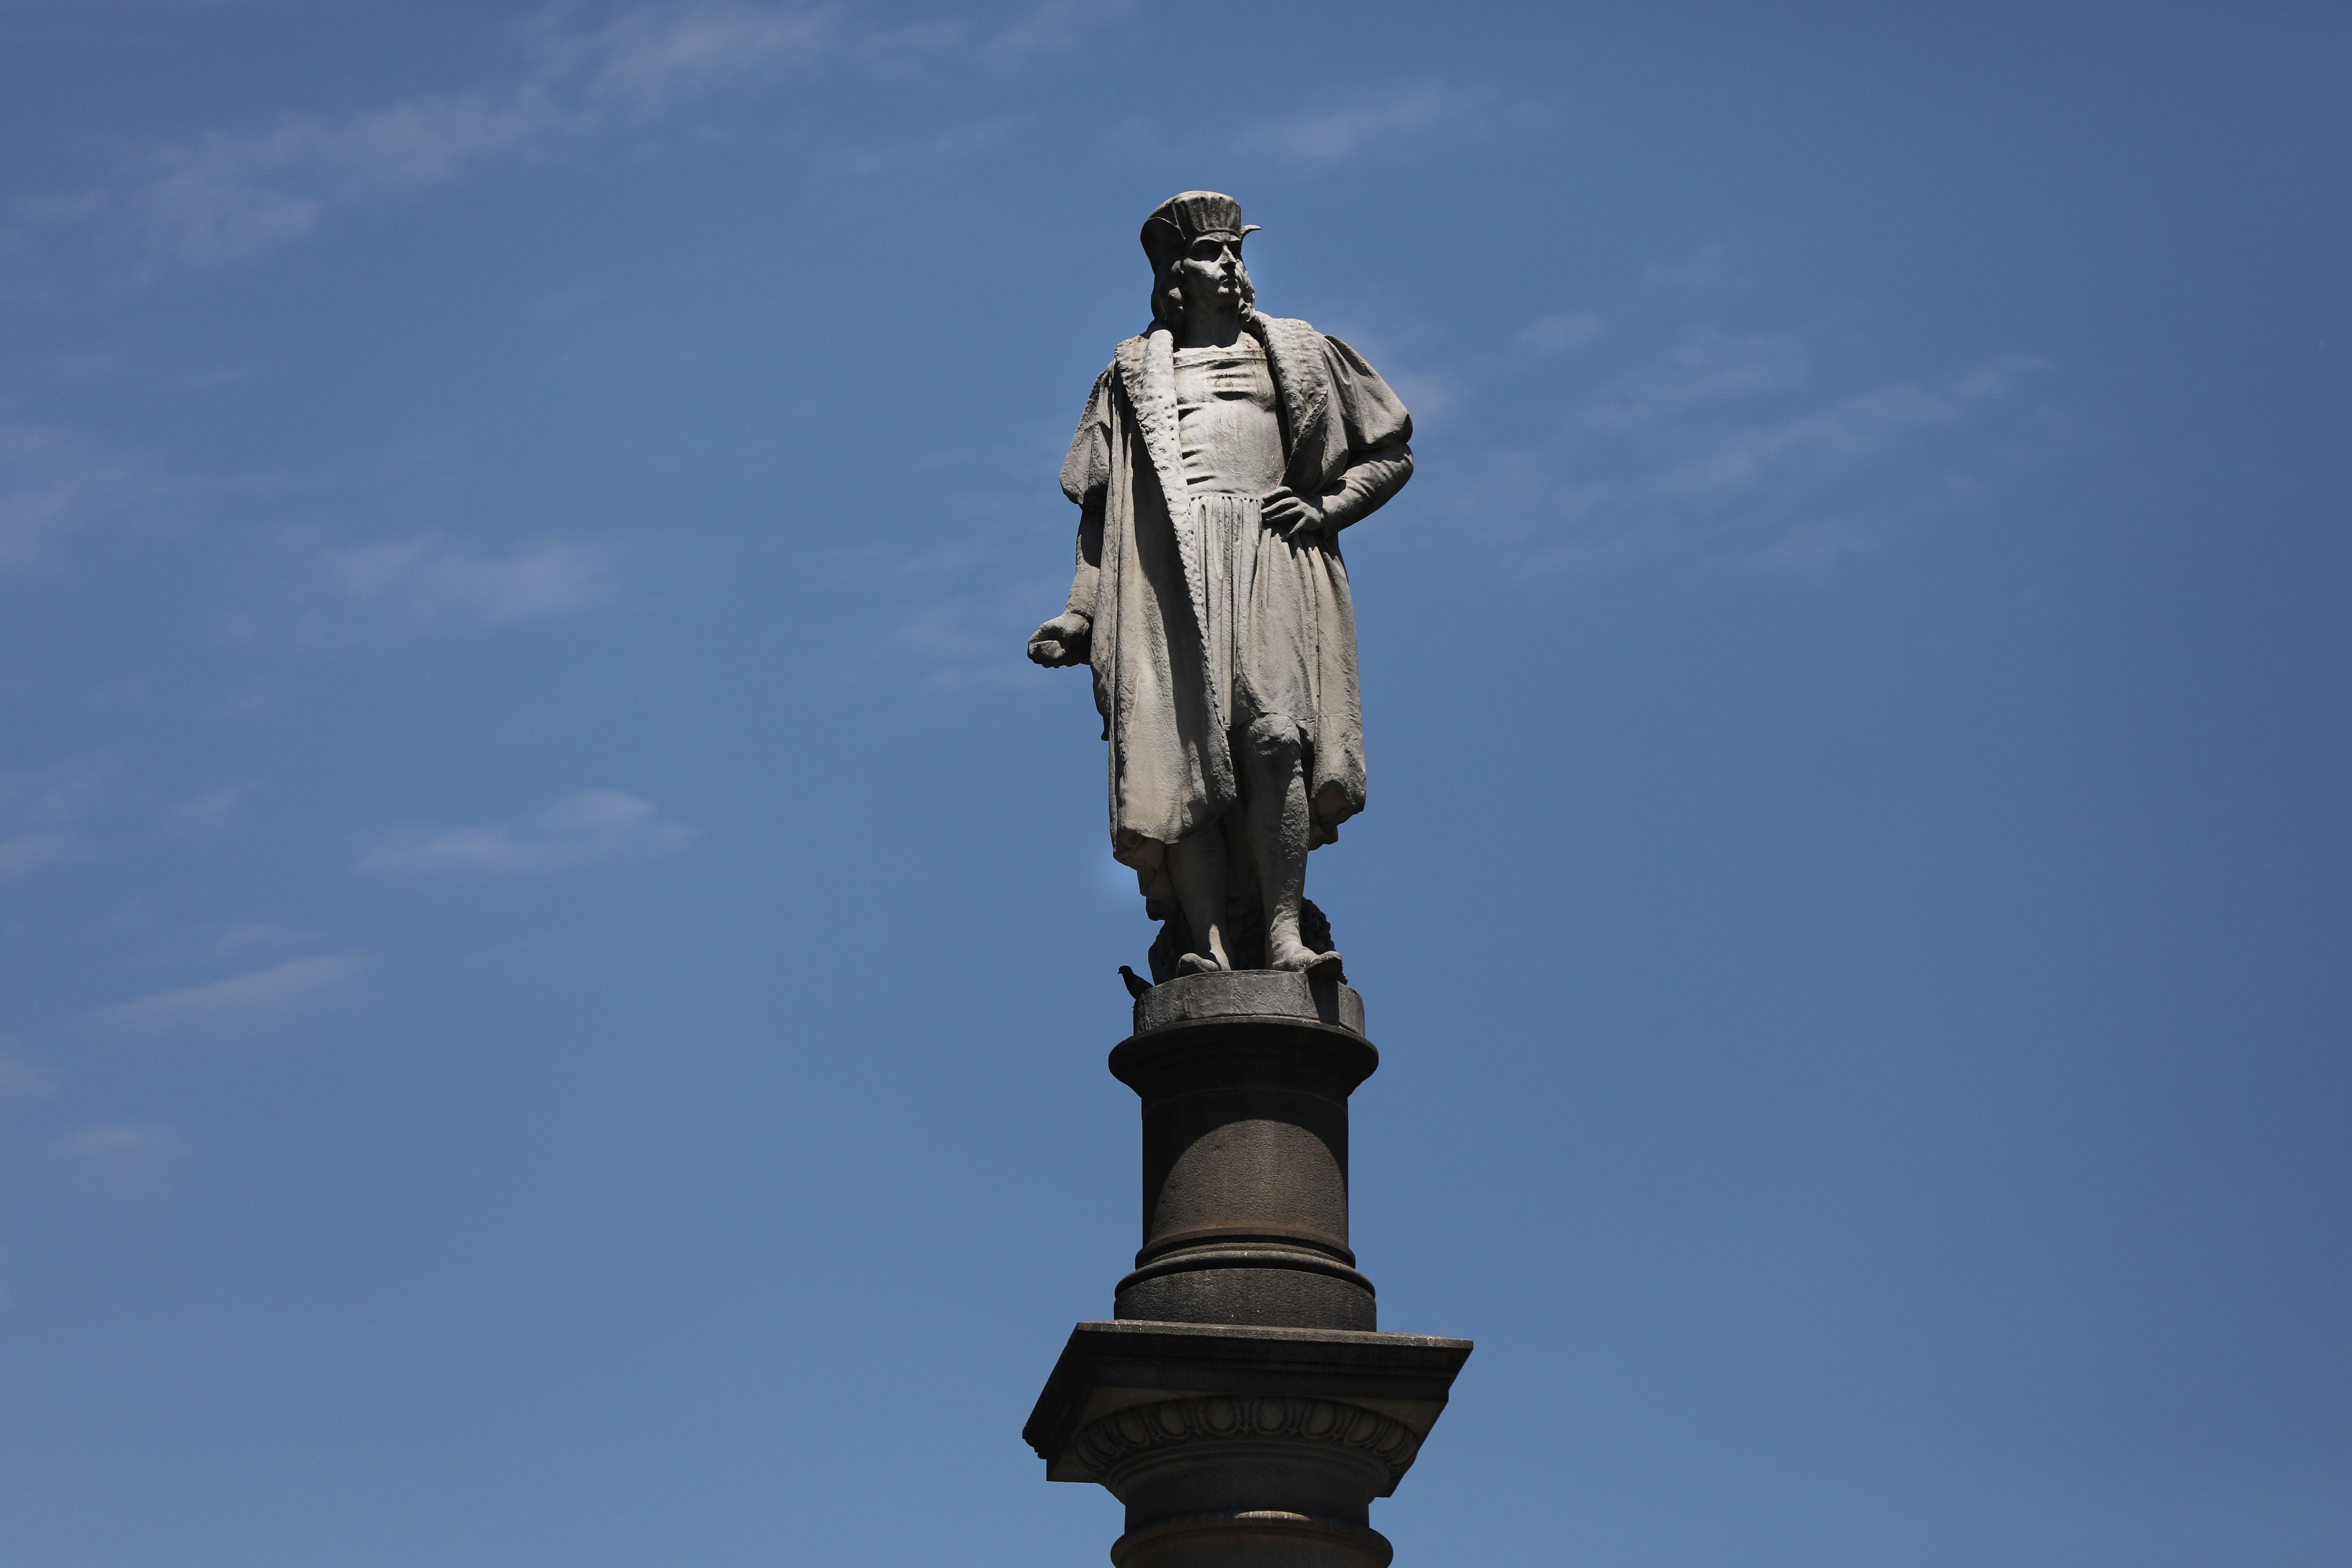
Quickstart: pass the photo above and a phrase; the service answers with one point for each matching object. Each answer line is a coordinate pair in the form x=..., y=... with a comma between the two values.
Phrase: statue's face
x=1211, y=274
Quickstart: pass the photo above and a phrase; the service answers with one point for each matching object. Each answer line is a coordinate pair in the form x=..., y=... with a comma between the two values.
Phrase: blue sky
x=558, y=959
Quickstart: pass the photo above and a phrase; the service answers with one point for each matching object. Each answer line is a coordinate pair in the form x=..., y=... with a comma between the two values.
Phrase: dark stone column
x=1241, y=1404
x=1246, y=1151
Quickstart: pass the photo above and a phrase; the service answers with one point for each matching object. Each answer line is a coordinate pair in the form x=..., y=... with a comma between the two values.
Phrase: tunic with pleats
x=1262, y=627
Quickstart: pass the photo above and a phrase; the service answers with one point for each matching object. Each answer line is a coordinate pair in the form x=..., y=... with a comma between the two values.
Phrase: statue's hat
x=1180, y=220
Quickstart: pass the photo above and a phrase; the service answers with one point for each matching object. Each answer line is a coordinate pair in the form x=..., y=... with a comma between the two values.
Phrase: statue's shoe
x=1314, y=965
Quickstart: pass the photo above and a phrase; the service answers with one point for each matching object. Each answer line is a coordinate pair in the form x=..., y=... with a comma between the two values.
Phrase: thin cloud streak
x=215, y=809
x=1334, y=135
x=964, y=605
x=592, y=827
x=644, y=60
x=1705, y=365
x=21, y=1080
x=232, y=195
x=427, y=583
x=28, y=851
x=128, y=1160
x=1556, y=334
x=52, y=482
x=1706, y=449
x=264, y=1001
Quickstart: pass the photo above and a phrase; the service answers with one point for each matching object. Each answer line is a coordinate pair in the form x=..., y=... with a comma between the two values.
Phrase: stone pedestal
x=1242, y=1404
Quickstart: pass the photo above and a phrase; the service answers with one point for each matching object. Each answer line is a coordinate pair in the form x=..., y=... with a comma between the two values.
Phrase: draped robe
x=1143, y=583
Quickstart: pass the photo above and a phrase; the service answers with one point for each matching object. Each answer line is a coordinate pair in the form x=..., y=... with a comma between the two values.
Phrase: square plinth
x=1108, y=1367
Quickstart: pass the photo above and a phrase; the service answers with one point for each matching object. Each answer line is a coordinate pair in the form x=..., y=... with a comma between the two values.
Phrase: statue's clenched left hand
x=1062, y=641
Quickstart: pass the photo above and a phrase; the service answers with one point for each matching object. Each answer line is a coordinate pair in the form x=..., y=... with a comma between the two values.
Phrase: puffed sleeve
x=1378, y=433
x=1085, y=479
x=1371, y=415
x=1086, y=472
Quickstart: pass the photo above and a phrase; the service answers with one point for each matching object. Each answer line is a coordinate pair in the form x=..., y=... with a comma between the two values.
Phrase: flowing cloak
x=1143, y=581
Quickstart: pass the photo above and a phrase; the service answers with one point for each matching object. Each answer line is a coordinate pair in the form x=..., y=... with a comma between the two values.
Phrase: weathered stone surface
x=1241, y=1403
x=1260, y=1538
x=1108, y=1368
x=1243, y=1446
x=1218, y=459
x=1128, y=1439
x=1245, y=993
x=1244, y=1089
x=1244, y=934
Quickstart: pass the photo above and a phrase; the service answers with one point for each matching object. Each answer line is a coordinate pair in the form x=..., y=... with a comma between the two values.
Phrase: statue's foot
x=1196, y=964
x=1312, y=964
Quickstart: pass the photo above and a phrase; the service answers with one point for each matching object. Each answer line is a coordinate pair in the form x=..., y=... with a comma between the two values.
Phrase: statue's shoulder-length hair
x=1168, y=293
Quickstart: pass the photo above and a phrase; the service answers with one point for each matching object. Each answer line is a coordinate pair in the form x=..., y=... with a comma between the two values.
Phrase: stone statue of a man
x=1218, y=457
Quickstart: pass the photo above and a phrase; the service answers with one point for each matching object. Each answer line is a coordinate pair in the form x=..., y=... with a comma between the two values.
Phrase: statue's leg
x=1196, y=864
x=1276, y=803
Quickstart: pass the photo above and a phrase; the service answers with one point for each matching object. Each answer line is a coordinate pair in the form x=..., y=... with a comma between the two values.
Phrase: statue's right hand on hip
x=1062, y=641
x=1295, y=516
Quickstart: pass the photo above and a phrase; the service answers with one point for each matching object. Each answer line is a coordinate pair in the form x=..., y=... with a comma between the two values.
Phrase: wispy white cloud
x=1001, y=42
x=1335, y=136
x=52, y=482
x=1721, y=446
x=957, y=142
x=40, y=813
x=428, y=583
x=646, y=59
x=1053, y=27
x=1703, y=365
x=1555, y=334
x=964, y=604
x=57, y=794
x=213, y=810
x=21, y=1080
x=27, y=850
x=265, y=1002
x=123, y=1158
x=1708, y=269
x=1832, y=439
x=229, y=196
x=244, y=940
x=971, y=636
x=592, y=827
x=232, y=195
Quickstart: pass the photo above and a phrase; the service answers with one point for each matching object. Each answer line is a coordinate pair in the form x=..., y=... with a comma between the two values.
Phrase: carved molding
x=1140, y=1429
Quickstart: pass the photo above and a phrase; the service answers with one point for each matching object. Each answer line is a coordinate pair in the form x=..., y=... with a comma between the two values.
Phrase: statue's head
x=1194, y=241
